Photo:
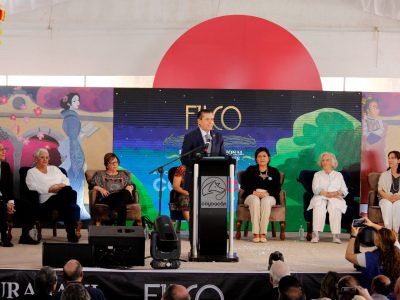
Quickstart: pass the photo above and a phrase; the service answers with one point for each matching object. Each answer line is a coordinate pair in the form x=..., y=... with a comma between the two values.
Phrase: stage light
x=165, y=248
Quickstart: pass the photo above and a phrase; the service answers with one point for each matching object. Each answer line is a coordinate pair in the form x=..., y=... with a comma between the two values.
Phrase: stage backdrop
x=297, y=126
x=381, y=133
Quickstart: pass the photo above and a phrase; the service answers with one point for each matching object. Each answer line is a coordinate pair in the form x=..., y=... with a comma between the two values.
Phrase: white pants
x=319, y=215
x=260, y=210
x=390, y=214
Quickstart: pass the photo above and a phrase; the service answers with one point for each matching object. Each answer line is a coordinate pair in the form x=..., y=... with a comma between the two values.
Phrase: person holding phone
x=389, y=194
x=261, y=185
x=385, y=259
x=329, y=191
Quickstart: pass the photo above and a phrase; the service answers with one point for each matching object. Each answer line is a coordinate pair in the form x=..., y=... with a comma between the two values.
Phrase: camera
x=358, y=223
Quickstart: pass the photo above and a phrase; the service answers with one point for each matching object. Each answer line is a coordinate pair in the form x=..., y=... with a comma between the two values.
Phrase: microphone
x=207, y=143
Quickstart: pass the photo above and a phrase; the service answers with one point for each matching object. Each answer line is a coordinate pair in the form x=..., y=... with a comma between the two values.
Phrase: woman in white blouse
x=388, y=190
x=329, y=190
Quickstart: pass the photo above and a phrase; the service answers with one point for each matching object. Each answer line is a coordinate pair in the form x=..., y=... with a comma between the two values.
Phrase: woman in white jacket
x=329, y=190
x=388, y=190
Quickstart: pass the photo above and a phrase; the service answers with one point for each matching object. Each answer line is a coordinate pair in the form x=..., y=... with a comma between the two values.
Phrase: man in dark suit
x=201, y=136
x=6, y=197
x=208, y=142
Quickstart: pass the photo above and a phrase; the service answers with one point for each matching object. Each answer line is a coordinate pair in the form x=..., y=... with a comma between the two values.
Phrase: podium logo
x=213, y=192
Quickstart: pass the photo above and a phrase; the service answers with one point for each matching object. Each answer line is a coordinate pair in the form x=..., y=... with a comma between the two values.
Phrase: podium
x=213, y=194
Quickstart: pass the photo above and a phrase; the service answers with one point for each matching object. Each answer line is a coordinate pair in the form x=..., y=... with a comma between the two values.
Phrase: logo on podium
x=213, y=192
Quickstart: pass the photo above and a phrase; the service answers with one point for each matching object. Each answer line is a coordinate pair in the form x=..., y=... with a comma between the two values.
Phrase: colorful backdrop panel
x=297, y=126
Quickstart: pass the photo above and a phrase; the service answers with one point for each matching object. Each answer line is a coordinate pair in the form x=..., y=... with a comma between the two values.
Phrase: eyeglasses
x=113, y=163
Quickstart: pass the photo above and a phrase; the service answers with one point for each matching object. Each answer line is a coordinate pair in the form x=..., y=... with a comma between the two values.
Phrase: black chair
x=176, y=216
x=39, y=217
x=306, y=178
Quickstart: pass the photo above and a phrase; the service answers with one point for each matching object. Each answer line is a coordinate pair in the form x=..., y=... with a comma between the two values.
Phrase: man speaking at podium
x=213, y=145
x=203, y=135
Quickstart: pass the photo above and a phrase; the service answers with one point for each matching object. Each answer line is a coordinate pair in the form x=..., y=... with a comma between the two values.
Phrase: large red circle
x=238, y=52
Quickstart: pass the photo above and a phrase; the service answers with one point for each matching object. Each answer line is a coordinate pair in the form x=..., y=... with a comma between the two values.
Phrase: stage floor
x=302, y=256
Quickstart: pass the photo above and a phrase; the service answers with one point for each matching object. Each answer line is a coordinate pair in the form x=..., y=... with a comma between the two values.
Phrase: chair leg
x=309, y=231
x=39, y=230
x=9, y=229
x=246, y=229
x=273, y=229
x=238, y=229
x=282, y=235
x=178, y=226
x=54, y=229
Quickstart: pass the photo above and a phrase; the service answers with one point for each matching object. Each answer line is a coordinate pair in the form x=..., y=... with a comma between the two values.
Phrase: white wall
x=130, y=37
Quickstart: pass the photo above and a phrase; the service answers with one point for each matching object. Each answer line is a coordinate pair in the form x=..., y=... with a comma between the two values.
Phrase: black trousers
x=117, y=201
x=3, y=219
x=65, y=202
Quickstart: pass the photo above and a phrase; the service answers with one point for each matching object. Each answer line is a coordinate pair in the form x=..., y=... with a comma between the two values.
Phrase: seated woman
x=181, y=202
x=54, y=191
x=115, y=187
x=388, y=190
x=329, y=190
x=385, y=259
x=261, y=185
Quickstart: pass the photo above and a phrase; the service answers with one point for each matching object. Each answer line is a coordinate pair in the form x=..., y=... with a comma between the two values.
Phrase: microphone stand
x=160, y=170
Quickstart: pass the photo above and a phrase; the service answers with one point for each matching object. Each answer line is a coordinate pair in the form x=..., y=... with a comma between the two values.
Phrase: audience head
x=71, y=101
x=176, y=292
x=205, y=119
x=347, y=287
x=328, y=285
x=45, y=281
x=72, y=271
x=327, y=160
x=279, y=269
x=75, y=291
x=389, y=256
x=381, y=285
x=110, y=159
x=274, y=256
x=290, y=288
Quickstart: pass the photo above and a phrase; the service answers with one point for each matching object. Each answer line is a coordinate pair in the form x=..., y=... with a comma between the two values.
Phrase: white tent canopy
x=358, y=38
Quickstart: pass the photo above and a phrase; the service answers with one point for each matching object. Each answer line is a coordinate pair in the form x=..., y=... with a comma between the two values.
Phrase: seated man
x=54, y=191
x=6, y=197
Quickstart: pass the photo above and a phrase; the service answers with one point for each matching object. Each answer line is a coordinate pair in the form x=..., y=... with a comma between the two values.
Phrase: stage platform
x=246, y=279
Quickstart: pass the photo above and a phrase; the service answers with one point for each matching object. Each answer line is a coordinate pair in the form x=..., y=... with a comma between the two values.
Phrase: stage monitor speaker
x=57, y=254
x=117, y=246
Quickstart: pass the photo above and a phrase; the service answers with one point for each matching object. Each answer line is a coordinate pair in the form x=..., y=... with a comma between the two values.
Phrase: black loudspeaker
x=57, y=254
x=117, y=246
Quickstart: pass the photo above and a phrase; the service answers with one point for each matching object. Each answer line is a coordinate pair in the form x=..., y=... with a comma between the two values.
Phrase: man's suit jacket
x=194, y=139
x=6, y=182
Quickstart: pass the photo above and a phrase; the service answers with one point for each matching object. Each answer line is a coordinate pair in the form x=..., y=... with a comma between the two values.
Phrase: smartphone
x=349, y=290
x=358, y=223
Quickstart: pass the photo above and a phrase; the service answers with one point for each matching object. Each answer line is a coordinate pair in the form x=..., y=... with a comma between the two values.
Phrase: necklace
x=395, y=185
x=263, y=175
